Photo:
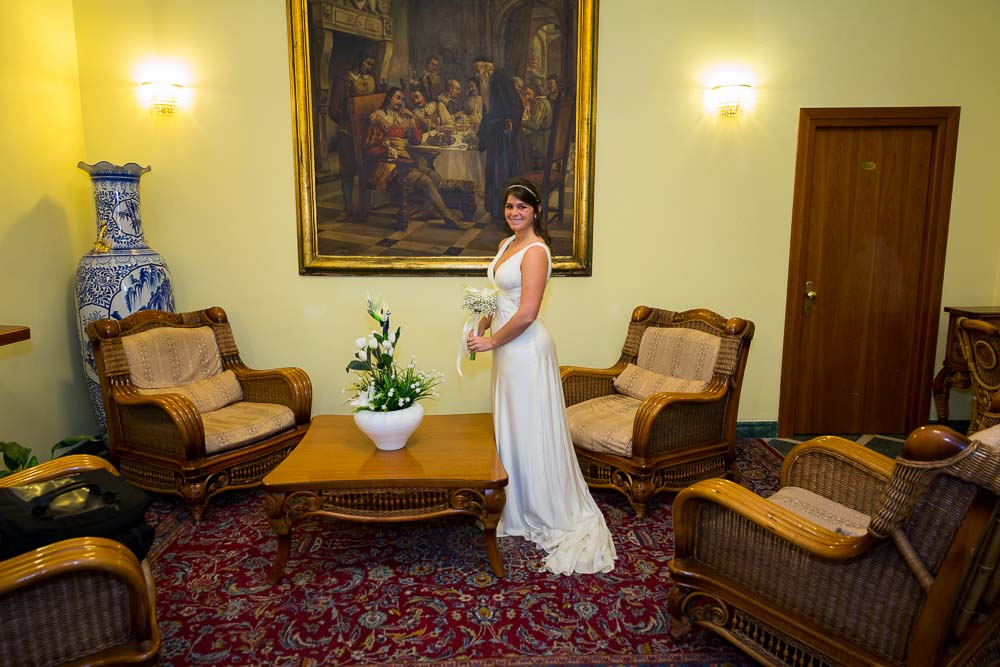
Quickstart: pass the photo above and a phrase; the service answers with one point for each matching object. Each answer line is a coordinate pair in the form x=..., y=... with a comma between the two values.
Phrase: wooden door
x=869, y=228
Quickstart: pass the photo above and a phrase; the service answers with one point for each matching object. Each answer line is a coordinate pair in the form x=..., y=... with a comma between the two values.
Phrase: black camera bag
x=93, y=503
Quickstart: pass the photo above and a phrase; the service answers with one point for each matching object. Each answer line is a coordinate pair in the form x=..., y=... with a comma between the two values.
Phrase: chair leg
x=680, y=627
x=640, y=509
x=639, y=495
x=195, y=498
x=734, y=473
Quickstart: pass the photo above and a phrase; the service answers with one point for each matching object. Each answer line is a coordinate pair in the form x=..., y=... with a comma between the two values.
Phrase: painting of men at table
x=422, y=111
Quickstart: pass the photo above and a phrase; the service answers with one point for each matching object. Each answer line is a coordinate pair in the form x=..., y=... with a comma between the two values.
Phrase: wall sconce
x=162, y=99
x=730, y=99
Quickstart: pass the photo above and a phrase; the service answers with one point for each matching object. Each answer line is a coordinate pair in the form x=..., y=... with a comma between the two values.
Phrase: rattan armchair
x=83, y=601
x=185, y=415
x=857, y=559
x=981, y=349
x=664, y=416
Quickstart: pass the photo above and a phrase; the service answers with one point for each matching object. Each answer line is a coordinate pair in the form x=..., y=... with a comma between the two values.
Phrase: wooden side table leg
x=495, y=499
x=274, y=506
x=941, y=390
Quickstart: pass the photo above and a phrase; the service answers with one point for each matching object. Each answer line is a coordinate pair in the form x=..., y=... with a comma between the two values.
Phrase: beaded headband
x=518, y=186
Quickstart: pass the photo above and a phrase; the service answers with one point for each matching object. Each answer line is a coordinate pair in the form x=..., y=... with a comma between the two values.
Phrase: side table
x=13, y=333
x=955, y=370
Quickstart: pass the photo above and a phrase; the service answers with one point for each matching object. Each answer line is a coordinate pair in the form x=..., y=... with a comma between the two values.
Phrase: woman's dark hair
x=526, y=191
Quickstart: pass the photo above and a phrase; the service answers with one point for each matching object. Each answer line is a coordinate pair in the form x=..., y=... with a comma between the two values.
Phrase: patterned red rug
x=419, y=593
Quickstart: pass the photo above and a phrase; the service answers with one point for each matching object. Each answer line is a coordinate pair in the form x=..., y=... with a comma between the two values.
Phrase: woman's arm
x=534, y=270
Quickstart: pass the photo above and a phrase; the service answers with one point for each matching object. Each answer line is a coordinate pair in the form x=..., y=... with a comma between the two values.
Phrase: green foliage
x=16, y=458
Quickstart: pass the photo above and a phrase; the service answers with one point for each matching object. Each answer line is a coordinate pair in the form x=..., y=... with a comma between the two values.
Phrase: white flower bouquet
x=382, y=385
x=478, y=303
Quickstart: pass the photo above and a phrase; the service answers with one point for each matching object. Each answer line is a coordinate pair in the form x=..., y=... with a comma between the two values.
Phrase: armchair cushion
x=171, y=356
x=989, y=436
x=242, y=423
x=679, y=352
x=209, y=394
x=822, y=511
x=640, y=383
x=604, y=424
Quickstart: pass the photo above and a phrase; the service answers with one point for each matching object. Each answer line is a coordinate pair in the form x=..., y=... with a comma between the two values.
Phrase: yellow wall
x=689, y=211
x=44, y=225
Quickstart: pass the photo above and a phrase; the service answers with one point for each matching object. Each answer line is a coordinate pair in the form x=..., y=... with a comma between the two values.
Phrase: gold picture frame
x=424, y=209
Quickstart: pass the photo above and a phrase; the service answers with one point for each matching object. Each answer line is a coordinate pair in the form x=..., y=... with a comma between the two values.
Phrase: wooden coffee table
x=449, y=466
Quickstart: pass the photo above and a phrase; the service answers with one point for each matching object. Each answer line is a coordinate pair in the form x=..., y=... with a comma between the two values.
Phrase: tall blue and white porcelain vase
x=121, y=275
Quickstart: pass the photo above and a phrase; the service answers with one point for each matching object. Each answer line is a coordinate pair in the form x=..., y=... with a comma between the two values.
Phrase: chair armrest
x=75, y=589
x=781, y=523
x=60, y=467
x=582, y=384
x=159, y=424
x=838, y=469
x=669, y=421
x=284, y=386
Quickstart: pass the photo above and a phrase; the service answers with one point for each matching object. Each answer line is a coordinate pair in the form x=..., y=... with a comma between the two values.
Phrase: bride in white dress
x=548, y=501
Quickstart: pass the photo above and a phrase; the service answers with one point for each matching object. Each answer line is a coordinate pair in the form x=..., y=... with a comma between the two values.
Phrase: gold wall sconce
x=163, y=86
x=162, y=99
x=731, y=99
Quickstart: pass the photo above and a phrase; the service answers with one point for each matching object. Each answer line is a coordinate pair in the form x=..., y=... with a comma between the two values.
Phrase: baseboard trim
x=756, y=429
x=770, y=429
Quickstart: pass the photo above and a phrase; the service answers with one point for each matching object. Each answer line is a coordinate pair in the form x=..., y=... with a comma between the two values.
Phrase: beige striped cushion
x=242, y=423
x=822, y=511
x=678, y=352
x=171, y=356
x=210, y=394
x=640, y=383
x=604, y=424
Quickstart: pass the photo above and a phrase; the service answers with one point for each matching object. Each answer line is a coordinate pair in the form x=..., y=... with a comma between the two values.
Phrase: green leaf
x=17, y=457
x=358, y=365
x=396, y=338
x=385, y=360
x=81, y=444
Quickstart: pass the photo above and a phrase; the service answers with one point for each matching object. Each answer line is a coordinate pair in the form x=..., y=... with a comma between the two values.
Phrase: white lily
x=363, y=399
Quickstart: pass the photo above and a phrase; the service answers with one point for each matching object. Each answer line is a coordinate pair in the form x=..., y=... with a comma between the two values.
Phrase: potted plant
x=386, y=395
x=17, y=457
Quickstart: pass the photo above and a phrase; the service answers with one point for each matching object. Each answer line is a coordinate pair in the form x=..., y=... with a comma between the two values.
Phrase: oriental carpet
x=419, y=593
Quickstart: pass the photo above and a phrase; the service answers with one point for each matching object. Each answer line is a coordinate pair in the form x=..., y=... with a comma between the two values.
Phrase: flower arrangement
x=478, y=303
x=382, y=385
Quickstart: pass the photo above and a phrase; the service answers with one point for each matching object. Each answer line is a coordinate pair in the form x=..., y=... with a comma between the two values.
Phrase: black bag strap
x=40, y=505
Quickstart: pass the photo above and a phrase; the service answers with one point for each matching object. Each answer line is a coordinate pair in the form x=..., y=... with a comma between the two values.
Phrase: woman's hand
x=479, y=343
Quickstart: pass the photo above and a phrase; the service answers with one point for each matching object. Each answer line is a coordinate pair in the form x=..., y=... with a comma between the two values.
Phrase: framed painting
x=411, y=115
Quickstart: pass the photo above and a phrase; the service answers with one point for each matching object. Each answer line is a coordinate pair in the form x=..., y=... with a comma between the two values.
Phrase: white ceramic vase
x=390, y=430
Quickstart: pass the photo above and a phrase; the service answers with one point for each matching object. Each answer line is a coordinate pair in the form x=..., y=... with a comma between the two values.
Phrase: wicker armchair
x=185, y=415
x=664, y=416
x=981, y=349
x=856, y=560
x=85, y=600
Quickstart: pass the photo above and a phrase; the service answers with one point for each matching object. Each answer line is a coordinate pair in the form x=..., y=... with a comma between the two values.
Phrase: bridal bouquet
x=478, y=303
x=382, y=385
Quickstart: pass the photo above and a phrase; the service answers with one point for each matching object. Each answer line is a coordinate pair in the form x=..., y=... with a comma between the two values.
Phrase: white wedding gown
x=548, y=501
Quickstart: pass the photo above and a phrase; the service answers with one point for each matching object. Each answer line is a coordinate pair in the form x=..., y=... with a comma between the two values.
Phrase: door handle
x=810, y=297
